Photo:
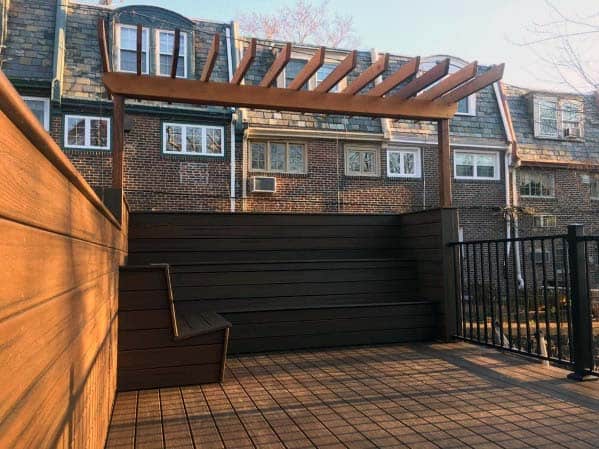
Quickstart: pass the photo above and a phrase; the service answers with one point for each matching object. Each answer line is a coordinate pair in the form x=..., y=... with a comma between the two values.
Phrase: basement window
x=166, y=44
x=278, y=157
x=41, y=109
x=595, y=187
x=545, y=221
x=404, y=163
x=92, y=133
x=192, y=140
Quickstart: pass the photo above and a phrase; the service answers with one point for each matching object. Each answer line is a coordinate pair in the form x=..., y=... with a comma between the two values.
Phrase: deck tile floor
x=399, y=396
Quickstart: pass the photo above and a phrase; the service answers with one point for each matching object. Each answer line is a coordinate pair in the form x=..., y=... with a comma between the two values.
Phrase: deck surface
x=401, y=396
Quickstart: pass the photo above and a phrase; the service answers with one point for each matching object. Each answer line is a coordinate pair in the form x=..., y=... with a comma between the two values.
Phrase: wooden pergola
x=431, y=96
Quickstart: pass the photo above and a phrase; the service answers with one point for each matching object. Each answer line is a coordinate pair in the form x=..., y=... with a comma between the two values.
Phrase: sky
x=490, y=31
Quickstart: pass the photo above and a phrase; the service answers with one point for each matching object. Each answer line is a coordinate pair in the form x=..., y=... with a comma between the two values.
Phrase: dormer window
x=322, y=74
x=127, y=54
x=166, y=44
x=557, y=118
x=297, y=63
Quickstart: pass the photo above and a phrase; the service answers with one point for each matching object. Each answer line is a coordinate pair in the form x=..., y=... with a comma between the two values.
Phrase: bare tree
x=567, y=45
x=303, y=22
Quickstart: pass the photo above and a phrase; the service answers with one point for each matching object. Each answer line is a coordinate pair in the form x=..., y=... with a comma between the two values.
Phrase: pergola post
x=444, y=163
x=118, y=140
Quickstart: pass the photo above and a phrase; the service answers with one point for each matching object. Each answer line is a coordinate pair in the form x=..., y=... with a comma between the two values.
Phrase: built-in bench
x=163, y=342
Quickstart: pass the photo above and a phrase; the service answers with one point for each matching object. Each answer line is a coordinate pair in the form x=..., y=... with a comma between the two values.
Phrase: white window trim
x=335, y=59
x=267, y=168
x=146, y=49
x=184, y=151
x=46, y=102
x=88, y=119
x=559, y=116
x=377, y=161
x=475, y=177
x=471, y=107
x=417, y=162
x=542, y=218
x=182, y=52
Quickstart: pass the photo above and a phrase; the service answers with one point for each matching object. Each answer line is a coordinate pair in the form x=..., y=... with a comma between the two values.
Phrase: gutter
x=511, y=163
x=230, y=65
x=59, y=51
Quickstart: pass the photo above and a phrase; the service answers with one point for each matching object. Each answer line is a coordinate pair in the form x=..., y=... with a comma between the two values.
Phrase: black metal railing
x=531, y=295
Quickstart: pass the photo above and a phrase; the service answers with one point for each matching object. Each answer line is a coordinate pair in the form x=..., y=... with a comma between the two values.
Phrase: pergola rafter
x=431, y=96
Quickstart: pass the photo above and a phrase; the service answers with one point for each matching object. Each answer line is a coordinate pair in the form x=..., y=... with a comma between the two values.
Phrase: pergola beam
x=246, y=62
x=211, y=59
x=451, y=82
x=340, y=72
x=103, y=44
x=230, y=95
x=424, y=80
x=308, y=70
x=368, y=75
x=277, y=66
x=495, y=73
x=138, y=53
x=176, y=51
x=406, y=71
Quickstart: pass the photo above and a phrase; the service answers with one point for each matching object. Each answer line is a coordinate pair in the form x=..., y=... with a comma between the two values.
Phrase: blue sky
x=485, y=30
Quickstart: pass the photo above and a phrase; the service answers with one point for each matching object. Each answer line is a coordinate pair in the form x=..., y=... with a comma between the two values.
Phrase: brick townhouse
x=216, y=159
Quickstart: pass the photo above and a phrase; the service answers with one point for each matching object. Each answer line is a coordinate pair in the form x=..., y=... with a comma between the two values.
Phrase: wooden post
x=444, y=163
x=449, y=234
x=582, y=334
x=118, y=140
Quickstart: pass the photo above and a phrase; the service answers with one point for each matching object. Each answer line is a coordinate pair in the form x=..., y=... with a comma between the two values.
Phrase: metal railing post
x=581, y=313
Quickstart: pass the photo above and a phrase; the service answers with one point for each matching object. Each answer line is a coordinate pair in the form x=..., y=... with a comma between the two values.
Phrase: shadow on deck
x=397, y=396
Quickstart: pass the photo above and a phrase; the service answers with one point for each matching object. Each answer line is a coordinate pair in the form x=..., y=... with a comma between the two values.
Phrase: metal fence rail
x=531, y=295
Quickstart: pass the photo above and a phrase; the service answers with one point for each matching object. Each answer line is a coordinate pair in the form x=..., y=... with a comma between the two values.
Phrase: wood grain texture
x=61, y=250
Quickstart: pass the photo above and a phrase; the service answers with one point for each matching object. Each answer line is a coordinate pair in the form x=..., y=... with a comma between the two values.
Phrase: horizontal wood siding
x=148, y=356
x=292, y=281
x=61, y=251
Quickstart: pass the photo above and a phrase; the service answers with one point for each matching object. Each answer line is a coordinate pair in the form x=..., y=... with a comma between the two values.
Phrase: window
x=595, y=187
x=41, y=109
x=292, y=70
x=165, y=46
x=541, y=256
x=87, y=132
x=537, y=184
x=192, y=140
x=466, y=106
x=476, y=165
x=322, y=74
x=545, y=221
x=556, y=118
x=280, y=157
x=298, y=62
x=404, y=163
x=361, y=161
x=127, y=44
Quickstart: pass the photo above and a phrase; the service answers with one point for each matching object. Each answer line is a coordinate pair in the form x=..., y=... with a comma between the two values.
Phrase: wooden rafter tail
x=424, y=80
x=140, y=31
x=454, y=80
x=176, y=51
x=315, y=63
x=277, y=66
x=340, y=72
x=368, y=75
x=246, y=62
x=103, y=43
x=406, y=71
x=483, y=80
x=211, y=60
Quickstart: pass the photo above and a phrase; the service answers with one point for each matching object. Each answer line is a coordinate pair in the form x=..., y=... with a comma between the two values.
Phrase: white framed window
x=278, y=157
x=361, y=161
x=127, y=49
x=476, y=165
x=92, y=133
x=544, y=221
x=165, y=43
x=595, y=187
x=546, y=117
x=537, y=184
x=571, y=119
x=558, y=118
x=404, y=163
x=297, y=63
x=41, y=109
x=322, y=73
x=194, y=140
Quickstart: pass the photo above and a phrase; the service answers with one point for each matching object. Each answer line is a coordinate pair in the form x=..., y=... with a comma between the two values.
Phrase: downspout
x=59, y=51
x=4, y=7
x=230, y=57
x=241, y=118
x=511, y=196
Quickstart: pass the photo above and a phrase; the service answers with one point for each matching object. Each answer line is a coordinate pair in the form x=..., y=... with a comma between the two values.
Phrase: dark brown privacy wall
x=60, y=252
